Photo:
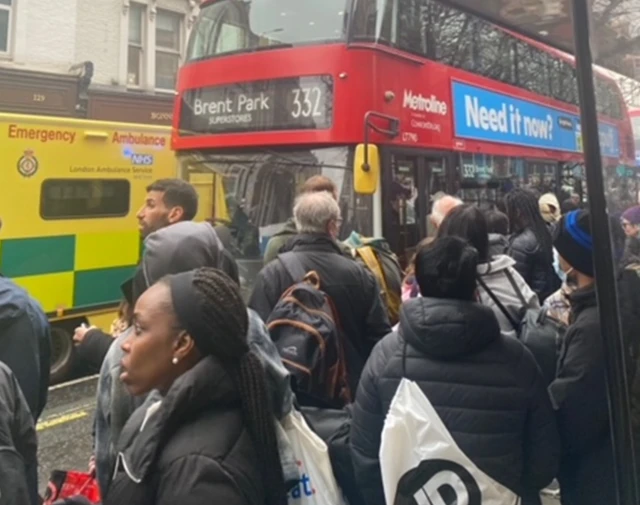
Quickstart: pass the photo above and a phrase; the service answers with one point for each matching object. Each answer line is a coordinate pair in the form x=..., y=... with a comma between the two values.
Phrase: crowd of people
x=193, y=389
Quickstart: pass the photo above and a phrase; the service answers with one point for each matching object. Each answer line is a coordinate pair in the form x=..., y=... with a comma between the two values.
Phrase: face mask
x=556, y=266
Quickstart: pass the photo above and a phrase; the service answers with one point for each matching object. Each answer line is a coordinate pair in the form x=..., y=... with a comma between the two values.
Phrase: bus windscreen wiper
x=279, y=45
x=222, y=160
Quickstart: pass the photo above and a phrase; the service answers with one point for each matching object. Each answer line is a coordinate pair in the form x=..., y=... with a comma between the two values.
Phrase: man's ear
x=176, y=214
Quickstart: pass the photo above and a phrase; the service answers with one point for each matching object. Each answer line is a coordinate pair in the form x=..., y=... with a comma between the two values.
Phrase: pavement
x=65, y=428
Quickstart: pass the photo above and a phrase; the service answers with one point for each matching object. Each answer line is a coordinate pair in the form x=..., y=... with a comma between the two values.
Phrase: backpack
x=538, y=331
x=305, y=328
x=376, y=256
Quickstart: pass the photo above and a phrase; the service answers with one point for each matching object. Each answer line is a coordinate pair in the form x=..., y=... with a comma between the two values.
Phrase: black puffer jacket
x=487, y=389
x=579, y=395
x=18, y=444
x=352, y=288
x=533, y=264
x=193, y=448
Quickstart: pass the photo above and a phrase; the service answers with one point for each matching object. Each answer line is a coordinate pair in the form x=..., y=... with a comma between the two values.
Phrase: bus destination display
x=301, y=103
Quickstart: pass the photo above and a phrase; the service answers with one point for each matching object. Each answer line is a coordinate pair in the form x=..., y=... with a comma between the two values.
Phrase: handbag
x=539, y=332
x=333, y=426
x=421, y=462
x=65, y=485
x=317, y=485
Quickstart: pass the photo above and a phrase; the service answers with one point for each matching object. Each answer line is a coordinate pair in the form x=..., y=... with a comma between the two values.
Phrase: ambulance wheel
x=61, y=354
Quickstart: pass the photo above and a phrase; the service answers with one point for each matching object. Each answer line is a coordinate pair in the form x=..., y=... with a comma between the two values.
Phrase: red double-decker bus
x=274, y=91
x=635, y=124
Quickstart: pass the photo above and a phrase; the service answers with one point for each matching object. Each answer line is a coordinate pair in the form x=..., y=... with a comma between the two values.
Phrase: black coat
x=533, y=263
x=497, y=244
x=579, y=395
x=25, y=343
x=194, y=450
x=353, y=289
x=487, y=389
x=95, y=346
x=18, y=444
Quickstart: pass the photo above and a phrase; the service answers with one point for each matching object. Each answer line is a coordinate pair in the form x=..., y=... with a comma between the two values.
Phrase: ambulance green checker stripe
x=48, y=255
x=96, y=287
x=36, y=256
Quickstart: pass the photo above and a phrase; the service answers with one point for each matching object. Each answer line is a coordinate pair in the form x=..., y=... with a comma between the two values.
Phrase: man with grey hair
x=317, y=213
x=442, y=205
x=353, y=289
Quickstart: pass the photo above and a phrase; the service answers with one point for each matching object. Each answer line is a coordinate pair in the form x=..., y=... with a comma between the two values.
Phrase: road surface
x=64, y=430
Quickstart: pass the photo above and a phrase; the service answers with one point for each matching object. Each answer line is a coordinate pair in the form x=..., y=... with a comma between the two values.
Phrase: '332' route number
x=307, y=103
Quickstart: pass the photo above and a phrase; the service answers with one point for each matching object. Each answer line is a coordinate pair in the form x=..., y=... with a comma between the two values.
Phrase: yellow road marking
x=57, y=421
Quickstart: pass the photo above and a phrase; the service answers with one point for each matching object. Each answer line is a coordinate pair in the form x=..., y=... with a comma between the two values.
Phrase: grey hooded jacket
x=179, y=248
x=494, y=276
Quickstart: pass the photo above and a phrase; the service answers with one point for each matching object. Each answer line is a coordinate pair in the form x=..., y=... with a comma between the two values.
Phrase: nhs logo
x=138, y=158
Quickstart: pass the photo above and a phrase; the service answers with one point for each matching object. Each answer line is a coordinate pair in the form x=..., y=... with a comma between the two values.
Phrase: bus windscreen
x=231, y=26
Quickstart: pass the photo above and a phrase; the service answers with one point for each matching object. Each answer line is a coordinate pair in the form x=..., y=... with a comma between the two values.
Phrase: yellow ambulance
x=69, y=235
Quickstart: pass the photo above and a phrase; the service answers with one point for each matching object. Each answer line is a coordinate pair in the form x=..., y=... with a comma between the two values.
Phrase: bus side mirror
x=366, y=169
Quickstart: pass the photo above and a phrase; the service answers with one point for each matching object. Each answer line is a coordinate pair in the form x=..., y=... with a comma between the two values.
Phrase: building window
x=84, y=198
x=5, y=25
x=136, y=44
x=168, y=48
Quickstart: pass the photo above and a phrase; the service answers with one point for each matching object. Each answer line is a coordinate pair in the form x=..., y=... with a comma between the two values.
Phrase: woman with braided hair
x=530, y=244
x=211, y=438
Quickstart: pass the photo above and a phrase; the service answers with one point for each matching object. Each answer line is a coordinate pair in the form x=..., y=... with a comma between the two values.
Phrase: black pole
x=614, y=348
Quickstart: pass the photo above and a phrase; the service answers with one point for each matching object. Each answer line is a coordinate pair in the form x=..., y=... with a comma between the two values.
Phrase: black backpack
x=539, y=332
x=305, y=328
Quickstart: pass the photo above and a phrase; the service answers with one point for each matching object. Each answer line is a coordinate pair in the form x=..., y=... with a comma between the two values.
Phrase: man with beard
x=168, y=201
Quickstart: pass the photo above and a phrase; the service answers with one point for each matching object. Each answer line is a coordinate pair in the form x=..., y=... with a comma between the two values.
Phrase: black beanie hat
x=573, y=241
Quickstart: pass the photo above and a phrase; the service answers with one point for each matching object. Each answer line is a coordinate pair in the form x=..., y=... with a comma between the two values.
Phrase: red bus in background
x=274, y=91
x=635, y=125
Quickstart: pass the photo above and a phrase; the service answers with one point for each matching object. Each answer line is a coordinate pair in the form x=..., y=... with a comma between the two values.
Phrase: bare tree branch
x=620, y=49
x=602, y=18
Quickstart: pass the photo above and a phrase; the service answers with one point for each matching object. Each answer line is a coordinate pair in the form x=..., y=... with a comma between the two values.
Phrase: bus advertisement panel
x=495, y=117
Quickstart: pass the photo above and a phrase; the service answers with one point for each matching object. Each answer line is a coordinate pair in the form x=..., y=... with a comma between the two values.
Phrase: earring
x=174, y=360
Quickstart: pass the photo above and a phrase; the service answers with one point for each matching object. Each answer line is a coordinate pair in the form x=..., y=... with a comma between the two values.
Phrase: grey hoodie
x=179, y=248
x=494, y=276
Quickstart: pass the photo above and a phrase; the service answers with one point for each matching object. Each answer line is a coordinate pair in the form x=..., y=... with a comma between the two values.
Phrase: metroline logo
x=420, y=103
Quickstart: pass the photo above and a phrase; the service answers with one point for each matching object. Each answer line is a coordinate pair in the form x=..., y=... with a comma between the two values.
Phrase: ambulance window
x=84, y=198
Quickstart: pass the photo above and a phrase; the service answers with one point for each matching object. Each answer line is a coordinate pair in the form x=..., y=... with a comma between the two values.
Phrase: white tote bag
x=317, y=485
x=421, y=463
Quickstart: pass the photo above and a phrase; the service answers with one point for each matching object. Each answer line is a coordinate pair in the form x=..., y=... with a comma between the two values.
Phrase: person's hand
x=92, y=465
x=80, y=332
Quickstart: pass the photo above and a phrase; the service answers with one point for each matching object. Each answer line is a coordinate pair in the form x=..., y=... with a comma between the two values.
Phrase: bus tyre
x=61, y=354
